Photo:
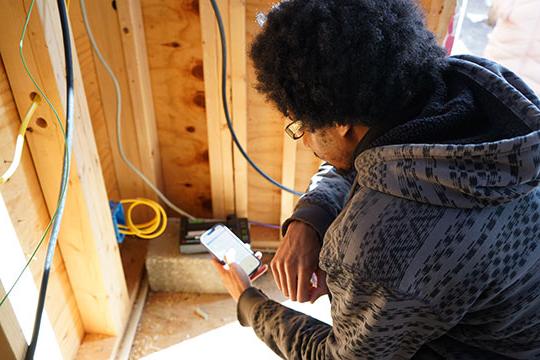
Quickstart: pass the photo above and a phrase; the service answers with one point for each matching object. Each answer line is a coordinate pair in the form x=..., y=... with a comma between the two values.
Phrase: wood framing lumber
x=265, y=134
x=87, y=239
x=126, y=344
x=219, y=138
x=237, y=11
x=95, y=346
x=137, y=70
x=288, y=177
x=133, y=253
x=23, y=198
x=445, y=16
x=95, y=105
x=438, y=14
x=104, y=22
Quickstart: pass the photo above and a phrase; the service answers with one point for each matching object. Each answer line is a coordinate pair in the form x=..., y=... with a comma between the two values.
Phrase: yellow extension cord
x=147, y=230
x=19, y=145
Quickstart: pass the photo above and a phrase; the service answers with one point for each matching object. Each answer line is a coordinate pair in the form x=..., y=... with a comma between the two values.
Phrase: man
x=425, y=221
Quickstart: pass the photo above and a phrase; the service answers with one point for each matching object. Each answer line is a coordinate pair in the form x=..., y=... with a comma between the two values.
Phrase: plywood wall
x=173, y=39
x=29, y=216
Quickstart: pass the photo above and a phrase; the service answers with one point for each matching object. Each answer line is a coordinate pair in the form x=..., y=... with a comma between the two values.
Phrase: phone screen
x=223, y=242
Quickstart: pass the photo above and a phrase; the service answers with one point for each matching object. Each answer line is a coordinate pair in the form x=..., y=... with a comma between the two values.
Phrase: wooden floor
x=169, y=327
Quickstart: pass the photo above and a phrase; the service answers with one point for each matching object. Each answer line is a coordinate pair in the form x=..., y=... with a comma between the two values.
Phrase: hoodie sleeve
x=323, y=200
x=369, y=322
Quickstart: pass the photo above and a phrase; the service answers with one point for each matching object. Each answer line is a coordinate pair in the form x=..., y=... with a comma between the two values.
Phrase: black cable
x=226, y=108
x=65, y=176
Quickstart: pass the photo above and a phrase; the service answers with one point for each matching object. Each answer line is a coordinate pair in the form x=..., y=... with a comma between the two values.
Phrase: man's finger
x=275, y=274
x=283, y=281
x=304, y=286
x=291, y=282
x=218, y=266
x=235, y=266
x=259, y=272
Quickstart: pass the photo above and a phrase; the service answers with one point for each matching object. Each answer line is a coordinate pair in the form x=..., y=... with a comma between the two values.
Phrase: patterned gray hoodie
x=434, y=253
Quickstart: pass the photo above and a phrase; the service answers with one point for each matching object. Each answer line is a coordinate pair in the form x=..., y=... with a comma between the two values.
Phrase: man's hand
x=235, y=279
x=296, y=260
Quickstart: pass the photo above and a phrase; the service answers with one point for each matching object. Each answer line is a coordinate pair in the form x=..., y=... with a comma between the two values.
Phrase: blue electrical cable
x=65, y=177
x=226, y=108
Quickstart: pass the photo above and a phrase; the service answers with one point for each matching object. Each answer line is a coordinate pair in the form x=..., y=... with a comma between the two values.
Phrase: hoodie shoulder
x=466, y=175
x=502, y=83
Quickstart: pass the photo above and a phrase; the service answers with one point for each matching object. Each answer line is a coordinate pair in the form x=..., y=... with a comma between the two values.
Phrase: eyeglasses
x=295, y=130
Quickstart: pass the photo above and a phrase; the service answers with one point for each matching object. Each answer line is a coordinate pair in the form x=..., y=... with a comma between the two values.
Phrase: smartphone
x=222, y=242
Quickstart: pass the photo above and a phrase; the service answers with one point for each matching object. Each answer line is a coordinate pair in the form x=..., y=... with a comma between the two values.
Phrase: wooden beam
x=288, y=177
x=438, y=14
x=133, y=253
x=126, y=344
x=29, y=215
x=219, y=138
x=306, y=165
x=87, y=239
x=265, y=135
x=95, y=105
x=138, y=74
x=95, y=346
x=299, y=165
x=237, y=11
x=105, y=26
x=446, y=12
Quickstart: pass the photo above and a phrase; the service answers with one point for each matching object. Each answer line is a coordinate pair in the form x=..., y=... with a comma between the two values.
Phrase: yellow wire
x=19, y=145
x=148, y=230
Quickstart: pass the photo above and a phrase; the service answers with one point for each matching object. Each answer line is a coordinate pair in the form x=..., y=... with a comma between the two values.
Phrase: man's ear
x=343, y=130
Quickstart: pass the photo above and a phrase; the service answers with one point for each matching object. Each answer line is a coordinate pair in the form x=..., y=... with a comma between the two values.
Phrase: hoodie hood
x=460, y=173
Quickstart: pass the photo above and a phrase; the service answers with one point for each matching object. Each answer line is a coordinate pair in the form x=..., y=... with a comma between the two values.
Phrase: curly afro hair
x=352, y=62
